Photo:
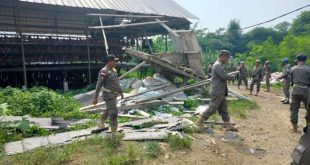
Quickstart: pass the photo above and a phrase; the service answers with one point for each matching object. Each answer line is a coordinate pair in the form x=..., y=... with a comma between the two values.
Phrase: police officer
x=301, y=153
x=243, y=75
x=257, y=75
x=267, y=71
x=300, y=76
x=286, y=80
x=218, y=92
x=109, y=83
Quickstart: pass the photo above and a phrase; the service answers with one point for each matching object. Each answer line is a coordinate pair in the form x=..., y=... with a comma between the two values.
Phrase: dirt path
x=266, y=129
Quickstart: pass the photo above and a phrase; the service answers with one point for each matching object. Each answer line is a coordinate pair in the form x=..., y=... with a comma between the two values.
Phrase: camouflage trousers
x=218, y=103
x=295, y=105
x=111, y=111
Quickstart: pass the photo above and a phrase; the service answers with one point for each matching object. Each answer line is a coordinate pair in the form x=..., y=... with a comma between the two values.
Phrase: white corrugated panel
x=157, y=7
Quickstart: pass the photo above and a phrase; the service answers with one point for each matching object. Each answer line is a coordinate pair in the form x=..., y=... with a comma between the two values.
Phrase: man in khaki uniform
x=267, y=71
x=218, y=92
x=257, y=76
x=243, y=75
x=300, y=76
x=109, y=83
x=286, y=80
x=232, y=69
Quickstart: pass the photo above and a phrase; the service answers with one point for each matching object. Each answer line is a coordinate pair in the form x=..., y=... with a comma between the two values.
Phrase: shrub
x=177, y=143
x=152, y=149
x=191, y=104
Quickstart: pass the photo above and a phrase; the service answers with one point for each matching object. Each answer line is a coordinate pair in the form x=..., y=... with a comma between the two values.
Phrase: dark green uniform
x=243, y=76
x=111, y=88
x=300, y=76
x=267, y=70
x=286, y=80
x=257, y=75
x=218, y=92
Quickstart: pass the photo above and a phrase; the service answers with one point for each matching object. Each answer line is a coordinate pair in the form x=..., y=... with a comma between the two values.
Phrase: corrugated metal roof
x=157, y=7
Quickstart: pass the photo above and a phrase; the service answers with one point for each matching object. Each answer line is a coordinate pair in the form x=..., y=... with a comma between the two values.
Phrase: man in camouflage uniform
x=301, y=153
x=109, y=83
x=267, y=71
x=300, y=75
x=257, y=76
x=243, y=75
x=286, y=80
x=218, y=92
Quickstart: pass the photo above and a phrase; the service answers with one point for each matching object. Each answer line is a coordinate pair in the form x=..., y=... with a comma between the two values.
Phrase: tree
x=301, y=25
x=235, y=37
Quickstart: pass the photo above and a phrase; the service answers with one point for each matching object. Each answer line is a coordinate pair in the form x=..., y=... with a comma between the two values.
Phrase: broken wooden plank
x=131, y=116
x=168, y=28
x=133, y=69
x=195, y=85
x=13, y=148
x=129, y=106
x=162, y=63
x=239, y=95
x=141, y=136
x=126, y=98
x=125, y=25
x=143, y=113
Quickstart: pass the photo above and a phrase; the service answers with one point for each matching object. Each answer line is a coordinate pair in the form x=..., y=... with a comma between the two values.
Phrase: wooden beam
x=135, y=95
x=132, y=70
x=125, y=16
x=125, y=25
x=196, y=85
x=168, y=28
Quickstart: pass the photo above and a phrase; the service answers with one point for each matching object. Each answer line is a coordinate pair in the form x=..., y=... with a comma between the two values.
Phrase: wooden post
x=88, y=58
x=104, y=37
x=24, y=61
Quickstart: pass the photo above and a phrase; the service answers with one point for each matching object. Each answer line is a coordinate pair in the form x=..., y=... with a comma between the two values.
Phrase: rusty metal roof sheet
x=157, y=7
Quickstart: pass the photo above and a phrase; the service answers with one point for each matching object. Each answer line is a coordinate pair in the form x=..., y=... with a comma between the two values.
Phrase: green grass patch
x=240, y=108
x=152, y=149
x=113, y=141
x=191, y=104
x=177, y=143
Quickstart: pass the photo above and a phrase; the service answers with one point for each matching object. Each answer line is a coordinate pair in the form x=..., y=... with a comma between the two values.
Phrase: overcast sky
x=215, y=14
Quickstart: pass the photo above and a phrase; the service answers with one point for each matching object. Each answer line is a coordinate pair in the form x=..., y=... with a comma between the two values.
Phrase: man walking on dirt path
x=267, y=71
x=243, y=75
x=108, y=81
x=286, y=80
x=257, y=76
x=218, y=92
x=300, y=76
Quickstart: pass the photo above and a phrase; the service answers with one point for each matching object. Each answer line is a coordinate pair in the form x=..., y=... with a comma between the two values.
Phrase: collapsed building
x=52, y=42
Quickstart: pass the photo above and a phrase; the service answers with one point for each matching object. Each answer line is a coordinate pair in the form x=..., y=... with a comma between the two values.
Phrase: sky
x=215, y=14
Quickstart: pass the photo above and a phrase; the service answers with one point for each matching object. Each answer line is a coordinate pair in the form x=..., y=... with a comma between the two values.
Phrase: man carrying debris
x=218, y=92
x=243, y=75
x=267, y=71
x=109, y=82
x=286, y=80
x=300, y=75
x=257, y=76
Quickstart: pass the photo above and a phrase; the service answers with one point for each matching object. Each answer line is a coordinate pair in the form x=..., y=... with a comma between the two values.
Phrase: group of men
x=298, y=77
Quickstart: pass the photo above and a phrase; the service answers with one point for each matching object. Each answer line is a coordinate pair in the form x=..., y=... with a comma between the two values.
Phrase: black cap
x=225, y=52
x=301, y=57
x=111, y=57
